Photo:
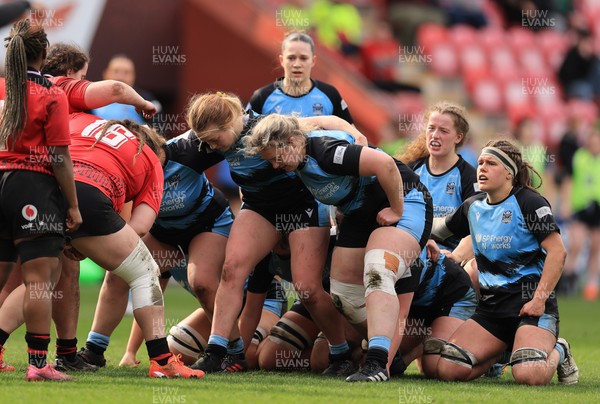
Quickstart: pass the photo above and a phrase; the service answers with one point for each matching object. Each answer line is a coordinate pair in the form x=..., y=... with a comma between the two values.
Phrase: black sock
x=37, y=348
x=217, y=350
x=67, y=348
x=95, y=348
x=3, y=337
x=158, y=350
x=340, y=357
x=378, y=355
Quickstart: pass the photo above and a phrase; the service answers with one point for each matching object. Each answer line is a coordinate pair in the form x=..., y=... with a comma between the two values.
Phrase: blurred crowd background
x=525, y=69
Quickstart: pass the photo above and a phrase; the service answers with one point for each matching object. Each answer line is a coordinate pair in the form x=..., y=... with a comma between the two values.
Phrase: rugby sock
x=379, y=347
x=217, y=345
x=158, y=350
x=3, y=337
x=339, y=352
x=561, y=352
x=97, y=343
x=67, y=348
x=37, y=348
x=236, y=347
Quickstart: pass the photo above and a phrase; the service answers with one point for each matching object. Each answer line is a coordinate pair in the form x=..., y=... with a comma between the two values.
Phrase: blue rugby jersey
x=448, y=190
x=506, y=242
x=262, y=186
x=187, y=191
x=322, y=99
x=331, y=172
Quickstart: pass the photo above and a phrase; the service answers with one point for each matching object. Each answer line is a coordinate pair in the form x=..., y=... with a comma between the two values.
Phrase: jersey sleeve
x=458, y=221
x=75, y=91
x=336, y=156
x=468, y=179
x=152, y=191
x=57, y=112
x=340, y=108
x=256, y=101
x=537, y=214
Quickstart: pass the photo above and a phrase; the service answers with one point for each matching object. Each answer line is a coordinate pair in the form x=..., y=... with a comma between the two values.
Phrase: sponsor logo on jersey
x=507, y=216
x=543, y=211
x=173, y=182
x=309, y=212
x=29, y=212
x=451, y=188
x=317, y=108
x=338, y=157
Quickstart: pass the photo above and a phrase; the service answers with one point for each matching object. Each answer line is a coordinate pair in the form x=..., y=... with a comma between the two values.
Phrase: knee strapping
x=46, y=246
x=186, y=340
x=290, y=335
x=382, y=268
x=458, y=355
x=433, y=346
x=141, y=273
x=527, y=354
x=349, y=299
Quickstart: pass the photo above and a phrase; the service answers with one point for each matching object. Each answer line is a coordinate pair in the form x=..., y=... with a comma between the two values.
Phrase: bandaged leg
x=349, y=299
x=458, y=355
x=141, y=273
x=527, y=354
x=382, y=267
x=433, y=346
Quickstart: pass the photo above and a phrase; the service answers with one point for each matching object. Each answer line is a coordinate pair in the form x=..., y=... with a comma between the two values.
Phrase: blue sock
x=561, y=352
x=235, y=347
x=218, y=340
x=380, y=342
x=97, y=343
x=339, y=349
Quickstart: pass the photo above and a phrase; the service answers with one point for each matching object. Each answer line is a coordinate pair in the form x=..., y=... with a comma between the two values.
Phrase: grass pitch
x=579, y=324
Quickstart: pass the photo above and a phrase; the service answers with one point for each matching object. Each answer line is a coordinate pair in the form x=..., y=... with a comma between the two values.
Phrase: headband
x=504, y=158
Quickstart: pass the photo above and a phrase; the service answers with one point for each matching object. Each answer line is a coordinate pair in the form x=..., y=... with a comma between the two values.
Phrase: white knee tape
x=349, y=299
x=141, y=273
x=382, y=268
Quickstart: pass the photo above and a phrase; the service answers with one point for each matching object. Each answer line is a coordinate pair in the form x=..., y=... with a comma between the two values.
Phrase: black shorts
x=99, y=217
x=31, y=204
x=589, y=216
x=308, y=214
x=505, y=328
x=217, y=218
x=299, y=308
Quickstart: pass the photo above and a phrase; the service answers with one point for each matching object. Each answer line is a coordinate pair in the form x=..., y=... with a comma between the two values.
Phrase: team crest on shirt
x=173, y=181
x=278, y=109
x=450, y=188
x=477, y=216
x=317, y=108
x=507, y=216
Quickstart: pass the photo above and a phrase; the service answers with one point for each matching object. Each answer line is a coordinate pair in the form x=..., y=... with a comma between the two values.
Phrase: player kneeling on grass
x=519, y=255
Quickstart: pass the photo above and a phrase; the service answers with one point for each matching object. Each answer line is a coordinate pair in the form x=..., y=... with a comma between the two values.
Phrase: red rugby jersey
x=47, y=126
x=75, y=91
x=112, y=165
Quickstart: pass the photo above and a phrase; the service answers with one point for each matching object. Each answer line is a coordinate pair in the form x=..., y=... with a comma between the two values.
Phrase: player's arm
x=101, y=93
x=332, y=122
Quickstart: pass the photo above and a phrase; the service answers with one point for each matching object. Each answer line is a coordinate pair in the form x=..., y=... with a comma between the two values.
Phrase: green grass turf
x=579, y=324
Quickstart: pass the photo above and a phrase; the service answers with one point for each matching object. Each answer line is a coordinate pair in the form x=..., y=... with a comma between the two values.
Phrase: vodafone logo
x=29, y=212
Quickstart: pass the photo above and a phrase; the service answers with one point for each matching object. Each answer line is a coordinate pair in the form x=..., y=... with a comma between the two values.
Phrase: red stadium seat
x=429, y=35
x=503, y=61
x=487, y=96
x=521, y=38
x=491, y=38
x=462, y=35
x=472, y=57
x=444, y=60
x=554, y=46
x=533, y=62
x=586, y=110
